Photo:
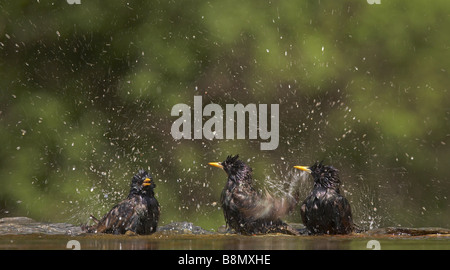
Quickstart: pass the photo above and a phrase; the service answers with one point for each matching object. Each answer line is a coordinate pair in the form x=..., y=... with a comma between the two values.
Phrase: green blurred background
x=86, y=93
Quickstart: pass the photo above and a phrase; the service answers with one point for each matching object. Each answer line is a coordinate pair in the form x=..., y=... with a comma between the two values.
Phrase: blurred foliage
x=86, y=93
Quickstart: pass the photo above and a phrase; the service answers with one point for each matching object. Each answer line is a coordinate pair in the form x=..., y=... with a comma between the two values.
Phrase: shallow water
x=22, y=233
x=160, y=241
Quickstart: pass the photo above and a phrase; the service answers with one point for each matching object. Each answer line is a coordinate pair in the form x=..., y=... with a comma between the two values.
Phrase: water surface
x=160, y=241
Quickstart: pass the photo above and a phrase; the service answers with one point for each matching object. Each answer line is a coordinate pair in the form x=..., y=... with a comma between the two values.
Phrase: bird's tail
x=94, y=219
x=90, y=228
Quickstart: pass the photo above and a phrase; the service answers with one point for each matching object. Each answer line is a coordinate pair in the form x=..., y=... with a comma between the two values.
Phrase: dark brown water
x=21, y=233
x=224, y=242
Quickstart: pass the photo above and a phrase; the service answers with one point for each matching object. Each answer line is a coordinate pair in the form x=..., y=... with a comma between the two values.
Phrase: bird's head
x=324, y=176
x=236, y=169
x=142, y=183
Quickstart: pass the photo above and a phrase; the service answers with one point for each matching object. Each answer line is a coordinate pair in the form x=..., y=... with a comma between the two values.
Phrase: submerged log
x=25, y=225
x=409, y=231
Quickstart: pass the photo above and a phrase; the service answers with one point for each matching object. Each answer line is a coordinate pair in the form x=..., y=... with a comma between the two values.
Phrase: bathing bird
x=325, y=210
x=137, y=214
x=246, y=210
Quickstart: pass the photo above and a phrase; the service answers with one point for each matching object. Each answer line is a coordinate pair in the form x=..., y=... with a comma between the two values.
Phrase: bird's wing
x=241, y=200
x=117, y=218
x=303, y=212
x=344, y=219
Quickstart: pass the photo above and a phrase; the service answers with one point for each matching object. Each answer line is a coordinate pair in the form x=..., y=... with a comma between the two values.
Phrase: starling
x=325, y=210
x=246, y=211
x=137, y=214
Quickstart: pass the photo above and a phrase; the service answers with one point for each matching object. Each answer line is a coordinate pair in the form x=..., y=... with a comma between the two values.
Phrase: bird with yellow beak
x=325, y=210
x=246, y=211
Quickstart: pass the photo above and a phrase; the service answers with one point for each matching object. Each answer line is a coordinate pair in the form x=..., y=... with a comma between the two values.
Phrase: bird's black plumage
x=325, y=210
x=138, y=213
x=246, y=210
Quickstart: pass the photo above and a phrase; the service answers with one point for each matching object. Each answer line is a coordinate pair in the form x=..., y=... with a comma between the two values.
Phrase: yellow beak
x=303, y=168
x=147, y=182
x=216, y=164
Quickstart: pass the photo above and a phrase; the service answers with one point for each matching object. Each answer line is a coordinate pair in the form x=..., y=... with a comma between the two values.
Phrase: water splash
x=282, y=193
